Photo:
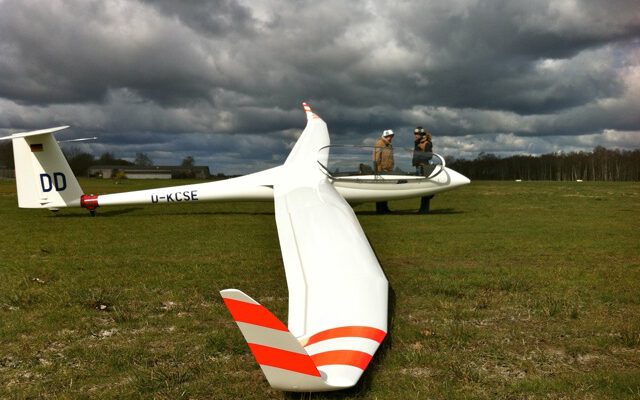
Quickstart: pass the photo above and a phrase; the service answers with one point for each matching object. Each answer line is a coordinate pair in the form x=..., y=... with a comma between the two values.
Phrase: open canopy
x=343, y=162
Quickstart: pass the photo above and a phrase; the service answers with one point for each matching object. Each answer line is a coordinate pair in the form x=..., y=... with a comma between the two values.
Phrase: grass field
x=507, y=290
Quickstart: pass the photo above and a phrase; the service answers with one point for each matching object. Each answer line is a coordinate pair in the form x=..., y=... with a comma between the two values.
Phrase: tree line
x=80, y=162
x=598, y=165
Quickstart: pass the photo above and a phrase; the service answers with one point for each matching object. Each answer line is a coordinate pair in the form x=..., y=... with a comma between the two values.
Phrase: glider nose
x=457, y=179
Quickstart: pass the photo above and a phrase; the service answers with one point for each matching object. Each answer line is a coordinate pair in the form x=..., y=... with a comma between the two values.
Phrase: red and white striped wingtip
x=328, y=360
x=283, y=360
x=308, y=111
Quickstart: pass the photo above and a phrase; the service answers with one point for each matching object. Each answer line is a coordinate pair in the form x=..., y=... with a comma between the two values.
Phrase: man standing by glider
x=422, y=154
x=383, y=163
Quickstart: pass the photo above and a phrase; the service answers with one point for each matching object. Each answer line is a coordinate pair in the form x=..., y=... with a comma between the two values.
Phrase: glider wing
x=337, y=290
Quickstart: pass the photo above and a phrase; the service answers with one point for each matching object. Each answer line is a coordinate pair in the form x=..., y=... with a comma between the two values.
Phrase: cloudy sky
x=223, y=80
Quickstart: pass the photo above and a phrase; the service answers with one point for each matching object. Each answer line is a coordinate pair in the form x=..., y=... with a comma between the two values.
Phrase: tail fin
x=283, y=360
x=43, y=176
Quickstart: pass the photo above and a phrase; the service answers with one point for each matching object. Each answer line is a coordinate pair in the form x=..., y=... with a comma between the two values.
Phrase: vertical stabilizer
x=43, y=176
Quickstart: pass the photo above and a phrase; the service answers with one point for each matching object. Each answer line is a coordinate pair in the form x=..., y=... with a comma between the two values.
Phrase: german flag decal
x=36, y=147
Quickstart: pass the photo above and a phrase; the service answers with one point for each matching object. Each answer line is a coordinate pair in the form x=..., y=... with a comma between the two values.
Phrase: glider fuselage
x=259, y=187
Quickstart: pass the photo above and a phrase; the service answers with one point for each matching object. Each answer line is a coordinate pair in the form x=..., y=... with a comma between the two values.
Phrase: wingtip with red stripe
x=283, y=360
x=310, y=114
x=332, y=359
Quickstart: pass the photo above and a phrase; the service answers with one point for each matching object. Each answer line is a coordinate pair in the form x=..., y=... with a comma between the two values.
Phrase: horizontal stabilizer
x=34, y=133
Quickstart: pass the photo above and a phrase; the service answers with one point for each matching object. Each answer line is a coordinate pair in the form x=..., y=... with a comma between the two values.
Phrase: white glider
x=337, y=290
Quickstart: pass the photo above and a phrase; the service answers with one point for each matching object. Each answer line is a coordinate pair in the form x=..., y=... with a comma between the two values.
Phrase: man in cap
x=383, y=162
x=383, y=153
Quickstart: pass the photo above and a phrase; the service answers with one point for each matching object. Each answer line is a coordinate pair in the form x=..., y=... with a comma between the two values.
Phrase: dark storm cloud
x=77, y=51
x=219, y=17
x=487, y=55
x=137, y=72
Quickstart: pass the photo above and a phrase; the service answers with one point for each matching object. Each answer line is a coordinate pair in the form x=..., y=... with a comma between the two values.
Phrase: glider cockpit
x=353, y=173
x=355, y=163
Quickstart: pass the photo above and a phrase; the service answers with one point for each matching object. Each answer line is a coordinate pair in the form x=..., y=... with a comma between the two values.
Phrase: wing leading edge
x=337, y=290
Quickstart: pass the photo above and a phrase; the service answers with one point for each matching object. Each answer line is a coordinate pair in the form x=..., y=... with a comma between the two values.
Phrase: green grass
x=507, y=290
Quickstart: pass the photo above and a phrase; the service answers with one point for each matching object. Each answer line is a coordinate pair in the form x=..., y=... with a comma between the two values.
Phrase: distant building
x=150, y=172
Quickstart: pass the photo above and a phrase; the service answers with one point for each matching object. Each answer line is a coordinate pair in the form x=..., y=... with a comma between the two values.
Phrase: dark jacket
x=422, y=153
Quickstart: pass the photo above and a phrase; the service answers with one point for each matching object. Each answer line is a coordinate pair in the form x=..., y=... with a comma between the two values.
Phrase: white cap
x=387, y=133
